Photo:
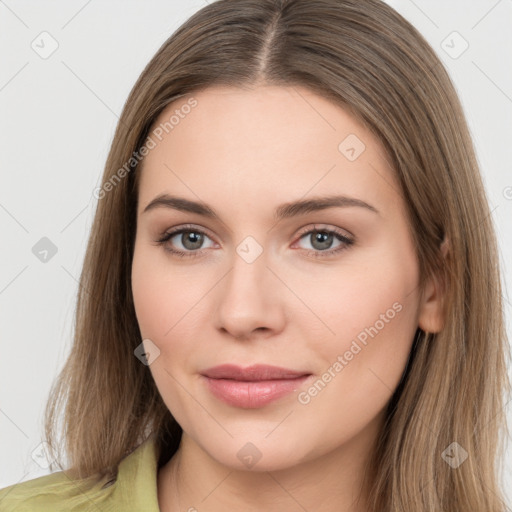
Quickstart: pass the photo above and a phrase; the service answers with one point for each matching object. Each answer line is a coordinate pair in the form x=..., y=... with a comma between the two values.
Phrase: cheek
x=162, y=301
x=361, y=302
x=372, y=313
x=163, y=295
x=151, y=303
x=170, y=306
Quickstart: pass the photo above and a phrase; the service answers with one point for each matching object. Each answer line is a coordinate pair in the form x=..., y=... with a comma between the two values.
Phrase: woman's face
x=253, y=283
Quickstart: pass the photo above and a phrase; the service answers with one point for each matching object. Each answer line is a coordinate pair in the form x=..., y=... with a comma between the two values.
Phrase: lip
x=253, y=386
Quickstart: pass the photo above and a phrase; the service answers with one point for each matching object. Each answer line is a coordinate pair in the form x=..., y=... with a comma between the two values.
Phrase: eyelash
x=315, y=253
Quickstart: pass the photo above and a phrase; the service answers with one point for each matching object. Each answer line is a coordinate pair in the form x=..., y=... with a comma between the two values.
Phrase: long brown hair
x=368, y=59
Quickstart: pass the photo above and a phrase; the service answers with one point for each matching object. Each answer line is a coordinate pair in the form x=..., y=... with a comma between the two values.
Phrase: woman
x=219, y=363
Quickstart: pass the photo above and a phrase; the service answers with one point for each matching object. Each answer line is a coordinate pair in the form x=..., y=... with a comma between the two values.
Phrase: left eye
x=322, y=239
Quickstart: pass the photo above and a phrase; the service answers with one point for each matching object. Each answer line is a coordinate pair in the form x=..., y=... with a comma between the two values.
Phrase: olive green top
x=135, y=489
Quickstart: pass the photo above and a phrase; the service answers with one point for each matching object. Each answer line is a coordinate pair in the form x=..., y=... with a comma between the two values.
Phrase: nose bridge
x=249, y=270
x=247, y=299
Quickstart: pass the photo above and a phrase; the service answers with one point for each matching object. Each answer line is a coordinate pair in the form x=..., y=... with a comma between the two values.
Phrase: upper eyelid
x=319, y=227
x=187, y=227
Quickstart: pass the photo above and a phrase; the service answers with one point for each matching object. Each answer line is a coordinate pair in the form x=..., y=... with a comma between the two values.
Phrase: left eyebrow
x=283, y=211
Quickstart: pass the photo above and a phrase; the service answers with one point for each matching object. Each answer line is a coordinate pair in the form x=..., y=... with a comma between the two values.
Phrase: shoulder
x=134, y=489
x=51, y=492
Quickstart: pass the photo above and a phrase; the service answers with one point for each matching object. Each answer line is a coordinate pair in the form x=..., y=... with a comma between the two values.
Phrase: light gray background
x=57, y=120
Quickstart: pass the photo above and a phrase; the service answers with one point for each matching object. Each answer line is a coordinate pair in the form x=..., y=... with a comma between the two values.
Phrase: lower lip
x=252, y=394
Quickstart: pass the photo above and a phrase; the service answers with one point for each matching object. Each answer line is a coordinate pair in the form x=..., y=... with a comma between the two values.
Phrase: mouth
x=254, y=386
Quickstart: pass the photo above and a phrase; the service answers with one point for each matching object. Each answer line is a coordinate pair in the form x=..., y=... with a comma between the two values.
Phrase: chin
x=254, y=453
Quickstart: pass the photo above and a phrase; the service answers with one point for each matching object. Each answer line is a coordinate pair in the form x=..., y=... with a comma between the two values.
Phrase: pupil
x=325, y=239
x=189, y=242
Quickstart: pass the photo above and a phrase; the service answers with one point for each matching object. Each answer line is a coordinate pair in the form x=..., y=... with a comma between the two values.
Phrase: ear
x=430, y=317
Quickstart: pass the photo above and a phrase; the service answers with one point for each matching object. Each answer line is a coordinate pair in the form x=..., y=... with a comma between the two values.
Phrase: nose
x=250, y=300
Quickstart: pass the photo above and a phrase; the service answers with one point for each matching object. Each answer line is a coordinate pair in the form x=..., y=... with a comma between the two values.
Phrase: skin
x=244, y=152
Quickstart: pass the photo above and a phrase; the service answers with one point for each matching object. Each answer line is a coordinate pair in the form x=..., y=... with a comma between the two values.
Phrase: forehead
x=277, y=143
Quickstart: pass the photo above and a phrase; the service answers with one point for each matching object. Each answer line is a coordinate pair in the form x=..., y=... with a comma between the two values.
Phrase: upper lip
x=252, y=373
